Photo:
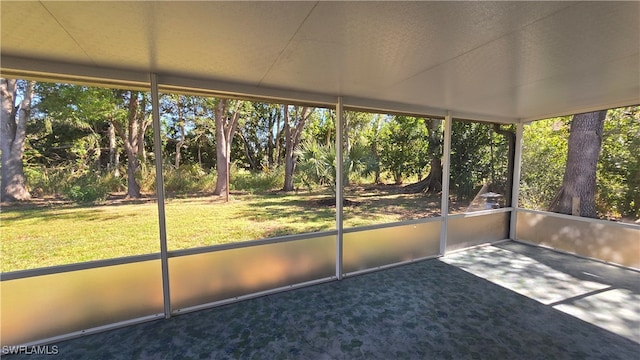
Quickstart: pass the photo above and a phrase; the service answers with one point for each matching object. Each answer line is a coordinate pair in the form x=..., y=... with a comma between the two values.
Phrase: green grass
x=39, y=235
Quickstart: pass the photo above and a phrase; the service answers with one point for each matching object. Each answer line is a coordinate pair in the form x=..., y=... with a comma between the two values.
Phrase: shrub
x=255, y=182
x=187, y=179
x=47, y=181
x=88, y=187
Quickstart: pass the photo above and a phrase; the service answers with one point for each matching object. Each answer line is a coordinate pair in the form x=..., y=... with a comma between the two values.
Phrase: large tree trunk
x=578, y=191
x=226, y=125
x=131, y=140
x=293, y=136
x=133, y=188
x=143, y=124
x=13, y=125
x=433, y=182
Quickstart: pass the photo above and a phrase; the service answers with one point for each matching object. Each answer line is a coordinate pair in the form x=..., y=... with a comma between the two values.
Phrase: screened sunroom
x=320, y=179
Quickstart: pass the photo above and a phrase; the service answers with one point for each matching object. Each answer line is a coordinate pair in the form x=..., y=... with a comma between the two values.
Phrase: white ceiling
x=501, y=60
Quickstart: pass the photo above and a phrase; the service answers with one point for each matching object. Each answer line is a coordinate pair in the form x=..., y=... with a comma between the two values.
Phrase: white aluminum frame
x=446, y=170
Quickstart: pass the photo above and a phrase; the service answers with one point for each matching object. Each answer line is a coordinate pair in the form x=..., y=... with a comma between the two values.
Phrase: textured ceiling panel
x=215, y=40
x=29, y=30
x=564, y=45
x=366, y=47
x=225, y=41
x=501, y=59
x=110, y=35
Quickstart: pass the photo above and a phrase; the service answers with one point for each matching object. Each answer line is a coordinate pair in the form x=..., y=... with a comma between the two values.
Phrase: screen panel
x=369, y=249
x=40, y=307
x=466, y=231
x=598, y=239
x=208, y=277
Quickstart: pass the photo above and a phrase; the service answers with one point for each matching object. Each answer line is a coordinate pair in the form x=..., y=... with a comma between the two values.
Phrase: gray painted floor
x=507, y=301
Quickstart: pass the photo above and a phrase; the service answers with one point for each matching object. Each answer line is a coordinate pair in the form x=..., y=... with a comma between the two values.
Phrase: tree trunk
x=289, y=161
x=270, y=138
x=114, y=155
x=133, y=188
x=131, y=139
x=144, y=123
x=226, y=125
x=182, y=134
x=433, y=181
x=510, y=136
x=347, y=151
x=293, y=136
x=278, y=158
x=13, y=125
x=247, y=151
x=579, y=182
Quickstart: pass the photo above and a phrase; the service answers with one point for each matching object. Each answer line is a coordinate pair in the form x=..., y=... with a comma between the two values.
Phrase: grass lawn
x=39, y=235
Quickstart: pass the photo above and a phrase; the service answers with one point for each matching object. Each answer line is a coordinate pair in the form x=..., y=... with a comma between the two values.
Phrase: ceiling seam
x=481, y=45
x=288, y=43
x=68, y=33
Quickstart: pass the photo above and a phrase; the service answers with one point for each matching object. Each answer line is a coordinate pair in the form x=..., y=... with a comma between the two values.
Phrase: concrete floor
x=506, y=301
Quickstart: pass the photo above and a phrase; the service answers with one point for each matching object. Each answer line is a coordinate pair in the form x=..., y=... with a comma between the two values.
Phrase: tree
x=361, y=131
x=293, y=127
x=132, y=134
x=76, y=116
x=470, y=158
x=13, y=125
x=433, y=181
x=404, y=147
x=544, y=157
x=578, y=190
x=618, y=175
x=227, y=115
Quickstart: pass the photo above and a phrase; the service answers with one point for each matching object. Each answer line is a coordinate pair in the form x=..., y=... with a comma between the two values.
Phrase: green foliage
x=187, y=179
x=404, y=143
x=317, y=164
x=544, y=156
x=43, y=180
x=87, y=187
x=255, y=182
x=478, y=157
x=618, y=176
x=70, y=127
x=361, y=162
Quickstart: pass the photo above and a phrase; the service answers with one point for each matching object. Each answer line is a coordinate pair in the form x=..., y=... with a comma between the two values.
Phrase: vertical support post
x=157, y=149
x=339, y=185
x=446, y=169
x=515, y=186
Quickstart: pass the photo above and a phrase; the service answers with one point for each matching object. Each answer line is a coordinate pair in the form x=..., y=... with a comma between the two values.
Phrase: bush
x=47, y=181
x=244, y=180
x=187, y=179
x=89, y=187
